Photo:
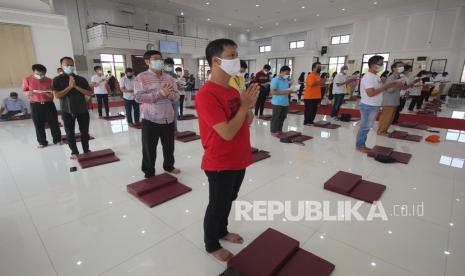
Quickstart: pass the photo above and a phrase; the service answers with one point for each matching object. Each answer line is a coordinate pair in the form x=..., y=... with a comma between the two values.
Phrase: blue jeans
x=367, y=121
x=338, y=100
x=129, y=105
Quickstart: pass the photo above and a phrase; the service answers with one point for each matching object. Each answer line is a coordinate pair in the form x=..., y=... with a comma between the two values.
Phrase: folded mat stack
x=352, y=185
x=403, y=135
x=413, y=125
x=400, y=157
x=157, y=189
x=77, y=136
x=186, y=117
x=326, y=124
x=428, y=112
x=258, y=155
x=186, y=136
x=276, y=254
x=136, y=125
x=16, y=118
x=295, y=112
x=95, y=158
x=294, y=136
x=265, y=117
x=113, y=117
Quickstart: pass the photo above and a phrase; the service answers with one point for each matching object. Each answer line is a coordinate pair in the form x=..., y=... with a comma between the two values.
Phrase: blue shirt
x=10, y=105
x=279, y=84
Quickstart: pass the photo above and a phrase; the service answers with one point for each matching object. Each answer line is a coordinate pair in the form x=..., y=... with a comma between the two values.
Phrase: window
x=340, y=39
x=462, y=79
x=277, y=63
x=264, y=48
x=366, y=57
x=178, y=63
x=296, y=44
x=335, y=64
x=455, y=135
x=112, y=63
x=204, y=67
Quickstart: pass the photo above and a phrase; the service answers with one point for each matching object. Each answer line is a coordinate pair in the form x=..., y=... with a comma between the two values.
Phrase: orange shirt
x=312, y=92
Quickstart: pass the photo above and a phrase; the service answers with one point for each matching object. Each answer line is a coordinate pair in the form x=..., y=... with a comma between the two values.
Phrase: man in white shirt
x=371, y=88
x=340, y=82
x=100, y=85
x=130, y=104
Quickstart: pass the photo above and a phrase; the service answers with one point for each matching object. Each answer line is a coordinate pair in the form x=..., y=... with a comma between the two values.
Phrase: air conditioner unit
x=127, y=9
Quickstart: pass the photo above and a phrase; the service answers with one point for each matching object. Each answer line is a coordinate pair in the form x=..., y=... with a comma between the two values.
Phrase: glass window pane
x=262, y=49
x=341, y=60
x=267, y=48
x=339, y=66
x=272, y=63
x=292, y=45
x=332, y=68
x=364, y=68
x=106, y=57
x=332, y=60
x=366, y=57
x=107, y=66
x=385, y=56
x=335, y=39
x=300, y=44
x=118, y=58
x=119, y=68
x=345, y=38
x=177, y=60
x=280, y=63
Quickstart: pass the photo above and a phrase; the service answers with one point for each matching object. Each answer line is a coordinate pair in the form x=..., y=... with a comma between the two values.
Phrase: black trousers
x=69, y=121
x=130, y=106
x=151, y=133
x=278, y=117
x=181, y=105
x=338, y=100
x=260, y=104
x=401, y=106
x=45, y=112
x=102, y=98
x=311, y=107
x=415, y=101
x=223, y=188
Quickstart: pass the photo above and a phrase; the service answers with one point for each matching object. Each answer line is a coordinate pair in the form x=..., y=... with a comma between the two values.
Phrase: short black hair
x=150, y=53
x=178, y=69
x=407, y=67
x=243, y=64
x=267, y=67
x=216, y=48
x=68, y=58
x=169, y=61
x=374, y=60
x=39, y=68
x=129, y=69
x=97, y=67
x=315, y=64
x=284, y=68
x=394, y=65
x=13, y=94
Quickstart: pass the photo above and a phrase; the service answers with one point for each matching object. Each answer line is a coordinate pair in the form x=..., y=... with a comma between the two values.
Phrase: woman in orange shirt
x=312, y=95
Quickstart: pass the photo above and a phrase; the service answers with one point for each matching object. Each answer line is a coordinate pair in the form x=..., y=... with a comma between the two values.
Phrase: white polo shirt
x=371, y=80
x=127, y=83
x=339, y=78
x=99, y=89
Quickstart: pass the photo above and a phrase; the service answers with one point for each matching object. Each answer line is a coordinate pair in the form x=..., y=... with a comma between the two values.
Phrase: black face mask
x=318, y=70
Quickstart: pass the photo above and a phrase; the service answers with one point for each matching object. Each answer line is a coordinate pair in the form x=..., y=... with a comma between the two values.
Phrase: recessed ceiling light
x=207, y=3
x=447, y=252
x=343, y=9
x=182, y=13
x=229, y=24
x=208, y=19
x=375, y=3
x=257, y=5
x=261, y=27
x=303, y=7
x=317, y=14
x=277, y=23
x=295, y=19
x=248, y=30
x=373, y=264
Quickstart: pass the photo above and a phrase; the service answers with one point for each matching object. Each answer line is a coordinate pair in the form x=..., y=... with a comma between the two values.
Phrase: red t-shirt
x=216, y=104
x=31, y=83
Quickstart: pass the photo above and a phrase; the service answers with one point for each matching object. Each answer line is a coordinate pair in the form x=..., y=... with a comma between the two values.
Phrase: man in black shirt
x=72, y=90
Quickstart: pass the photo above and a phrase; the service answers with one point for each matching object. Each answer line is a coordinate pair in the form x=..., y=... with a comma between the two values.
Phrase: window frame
x=113, y=64
x=296, y=43
x=289, y=61
x=338, y=64
x=462, y=76
x=340, y=38
x=264, y=48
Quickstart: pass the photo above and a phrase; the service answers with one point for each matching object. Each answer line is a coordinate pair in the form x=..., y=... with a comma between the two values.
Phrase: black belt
x=39, y=102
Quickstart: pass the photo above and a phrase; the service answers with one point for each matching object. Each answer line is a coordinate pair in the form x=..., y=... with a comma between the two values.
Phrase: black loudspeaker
x=324, y=50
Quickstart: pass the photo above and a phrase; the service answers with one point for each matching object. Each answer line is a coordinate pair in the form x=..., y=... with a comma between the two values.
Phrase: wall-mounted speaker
x=324, y=50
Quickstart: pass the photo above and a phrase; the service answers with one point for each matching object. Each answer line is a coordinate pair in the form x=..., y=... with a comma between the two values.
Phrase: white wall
x=404, y=32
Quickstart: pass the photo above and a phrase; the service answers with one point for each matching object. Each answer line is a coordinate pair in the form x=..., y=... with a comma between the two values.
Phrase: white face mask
x=285, y=77
x=156, y=65
x=99, y=72
x=380, y=68
x=38, y=76
x=344, y=72
x=231, y=67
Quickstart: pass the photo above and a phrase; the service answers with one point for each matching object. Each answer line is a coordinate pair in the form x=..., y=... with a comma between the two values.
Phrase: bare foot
x=73, y=157
x=383, y=133
x=275, y=134
x=234, y=238
x=40, y=146
x=175, y=171
x=364, y=149
x=222, y=255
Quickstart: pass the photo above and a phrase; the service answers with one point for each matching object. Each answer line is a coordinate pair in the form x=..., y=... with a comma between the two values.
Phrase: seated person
x=13, y=106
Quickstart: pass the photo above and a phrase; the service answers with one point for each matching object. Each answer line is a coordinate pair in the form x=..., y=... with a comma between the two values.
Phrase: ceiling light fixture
x=229, y=24
x=317, y=14
x=260, y=27
x=207, y=3
x=375, y=3
x=295, y=19
x=303, y=7
x=208, y=19
x=182, y=13
x=257, y=5
x=277, y=23
x=343, y=9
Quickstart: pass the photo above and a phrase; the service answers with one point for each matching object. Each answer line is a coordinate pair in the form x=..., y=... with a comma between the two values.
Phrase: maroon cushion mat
x=260, y=155
x=342, y=182
x=301, y=138
x=98, y=161
x=145, y=186
x=138, y=126
x=187, y=117
x=321, y=123
x=306, y=263
x=78, y=138
x=368, y=191
x=16, y=118
x=295, y=111
x=265, y=255
x=380, y=150
x=254, y=150
x=95, y=154
x=188, y=138
x=164, y=194
x=190, y=107
x=289, y=134
x=422, y=127
x=183, y=134
x=398, y=134
x=114, y=117
x=401, y=157
x=265, y=117
x=407, y=124
x=414, y=138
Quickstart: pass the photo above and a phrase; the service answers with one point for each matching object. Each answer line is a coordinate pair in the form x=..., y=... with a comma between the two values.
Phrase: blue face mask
x=168, y=69
x=156, y=65
x=68, y=69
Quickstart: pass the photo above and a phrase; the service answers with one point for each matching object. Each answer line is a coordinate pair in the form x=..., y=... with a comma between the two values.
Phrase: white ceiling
x=245, y=15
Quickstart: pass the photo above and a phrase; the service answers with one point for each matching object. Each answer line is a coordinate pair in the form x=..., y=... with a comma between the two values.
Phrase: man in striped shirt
x=156, y=91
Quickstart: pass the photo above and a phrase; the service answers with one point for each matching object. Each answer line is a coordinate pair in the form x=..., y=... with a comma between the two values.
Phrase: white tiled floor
x=53, y=222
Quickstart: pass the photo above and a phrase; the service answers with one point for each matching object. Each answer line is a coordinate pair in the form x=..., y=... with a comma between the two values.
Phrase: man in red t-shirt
x=263, y=78
x=38, y=88
x=224, y=118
